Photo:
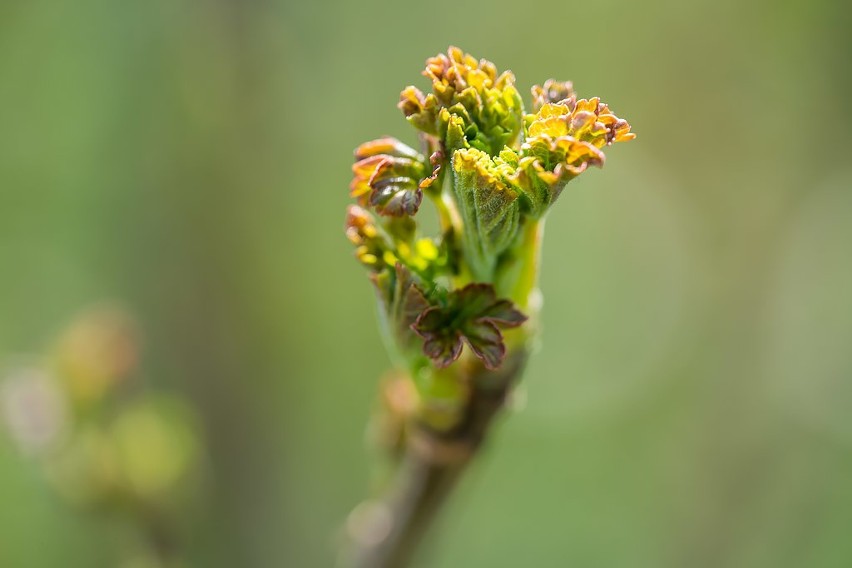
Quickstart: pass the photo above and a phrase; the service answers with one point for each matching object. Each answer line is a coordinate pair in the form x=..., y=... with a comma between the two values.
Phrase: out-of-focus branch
x=386, y=532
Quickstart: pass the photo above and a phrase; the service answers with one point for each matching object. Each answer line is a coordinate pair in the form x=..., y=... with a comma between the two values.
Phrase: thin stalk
x=519, y=266
x=160, y=536
x=395, y=526
x=385, y=533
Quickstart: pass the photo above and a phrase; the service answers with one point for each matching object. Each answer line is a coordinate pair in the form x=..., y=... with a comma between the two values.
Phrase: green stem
x=517, y=272
x=445, y=214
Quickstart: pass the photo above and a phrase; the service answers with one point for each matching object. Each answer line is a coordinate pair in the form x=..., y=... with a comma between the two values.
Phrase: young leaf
x=390, y=176
x=402, y=301
x=488, y=206
x=472, y=314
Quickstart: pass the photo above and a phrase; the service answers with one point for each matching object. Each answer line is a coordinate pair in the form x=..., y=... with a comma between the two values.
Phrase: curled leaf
x=488, y=205
x=395, y=185
x=473, y=315
x=388, y=176
x=387, y=146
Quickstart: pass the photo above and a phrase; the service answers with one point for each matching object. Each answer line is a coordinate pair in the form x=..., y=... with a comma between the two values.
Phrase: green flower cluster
x=492, y=172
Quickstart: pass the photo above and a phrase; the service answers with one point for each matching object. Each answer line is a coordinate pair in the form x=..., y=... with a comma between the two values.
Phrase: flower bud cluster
x=492, y=172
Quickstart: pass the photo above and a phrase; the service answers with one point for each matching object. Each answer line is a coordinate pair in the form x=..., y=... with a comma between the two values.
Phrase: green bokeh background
x=690, y=403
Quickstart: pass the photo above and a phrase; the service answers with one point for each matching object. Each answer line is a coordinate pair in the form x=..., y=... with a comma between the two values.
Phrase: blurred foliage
x=689, y=404
x=108, y=445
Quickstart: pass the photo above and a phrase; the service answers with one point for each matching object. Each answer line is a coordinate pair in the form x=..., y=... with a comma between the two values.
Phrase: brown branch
x=385, y=533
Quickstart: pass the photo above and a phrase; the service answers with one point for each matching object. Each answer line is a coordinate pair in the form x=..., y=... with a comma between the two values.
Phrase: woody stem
x=385, y=534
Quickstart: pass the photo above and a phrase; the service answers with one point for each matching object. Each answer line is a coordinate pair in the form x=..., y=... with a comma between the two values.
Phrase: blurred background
x=690, y=403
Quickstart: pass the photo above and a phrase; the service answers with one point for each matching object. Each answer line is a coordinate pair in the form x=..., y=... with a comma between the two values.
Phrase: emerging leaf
x=390, y=176
x=402, y=301
x=387, y=146
x=473, y=314
x=492, y=173
x=488, y=206
x=396, y=187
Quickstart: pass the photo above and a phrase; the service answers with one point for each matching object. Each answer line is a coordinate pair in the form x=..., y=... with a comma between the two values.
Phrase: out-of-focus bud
x=97, y=351
x=398, y=402
x=34, y=410
x=85, y=470
x=156, y=444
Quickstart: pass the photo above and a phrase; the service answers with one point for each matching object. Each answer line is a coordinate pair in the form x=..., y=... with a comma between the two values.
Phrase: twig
x=385, y=533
